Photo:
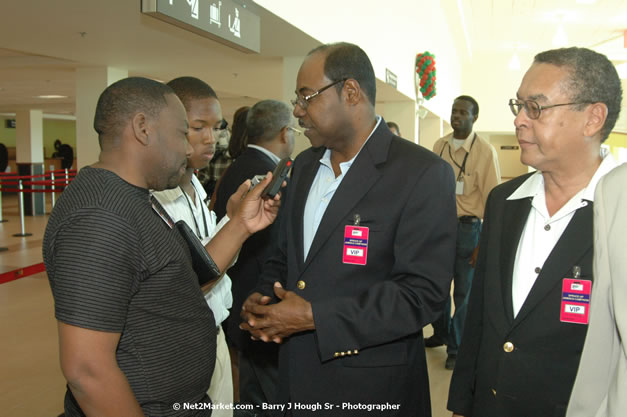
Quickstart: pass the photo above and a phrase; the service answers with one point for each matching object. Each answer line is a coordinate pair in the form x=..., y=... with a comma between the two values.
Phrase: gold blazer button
x=508, y=347
x=301, y=285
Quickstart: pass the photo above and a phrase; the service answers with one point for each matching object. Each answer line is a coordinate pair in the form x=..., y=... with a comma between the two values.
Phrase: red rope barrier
x=27, y=177
x=22, y=272
x=62, y=171
x=57, y=182
x=28, y=190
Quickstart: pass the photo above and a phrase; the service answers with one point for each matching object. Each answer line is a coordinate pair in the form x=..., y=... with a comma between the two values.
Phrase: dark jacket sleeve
x=462, y=388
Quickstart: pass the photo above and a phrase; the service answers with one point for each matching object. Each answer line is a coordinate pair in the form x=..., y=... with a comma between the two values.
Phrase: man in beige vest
x=476, y=168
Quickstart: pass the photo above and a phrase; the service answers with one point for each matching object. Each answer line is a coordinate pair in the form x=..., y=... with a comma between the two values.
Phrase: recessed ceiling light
x=48, y=96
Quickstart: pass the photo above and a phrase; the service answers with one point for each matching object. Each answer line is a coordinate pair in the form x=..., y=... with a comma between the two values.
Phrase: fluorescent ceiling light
x=514, y=63
x=586, y=1
x=466, y=36
x=50, y=96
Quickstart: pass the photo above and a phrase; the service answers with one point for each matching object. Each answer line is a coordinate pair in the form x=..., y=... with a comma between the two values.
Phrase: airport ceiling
x=43, y=42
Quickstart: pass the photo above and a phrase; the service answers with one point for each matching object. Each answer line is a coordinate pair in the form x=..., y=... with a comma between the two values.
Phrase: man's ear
x=597, y=114
x=353, y=91
x=283, y=135
x=141, y=128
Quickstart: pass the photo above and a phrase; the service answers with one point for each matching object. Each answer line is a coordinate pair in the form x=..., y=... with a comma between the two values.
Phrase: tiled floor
x=31, y=383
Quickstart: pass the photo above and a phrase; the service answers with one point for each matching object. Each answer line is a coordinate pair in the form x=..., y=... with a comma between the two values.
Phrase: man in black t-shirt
x=136, y=336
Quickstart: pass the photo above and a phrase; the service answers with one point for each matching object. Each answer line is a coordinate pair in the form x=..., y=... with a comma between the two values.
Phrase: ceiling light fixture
x=463, y=18
x=50, y=96
x=514, y=63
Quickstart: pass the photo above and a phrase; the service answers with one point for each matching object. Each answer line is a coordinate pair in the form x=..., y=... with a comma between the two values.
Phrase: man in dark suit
x=270, y=138
x=528, y=309
x=365, y=253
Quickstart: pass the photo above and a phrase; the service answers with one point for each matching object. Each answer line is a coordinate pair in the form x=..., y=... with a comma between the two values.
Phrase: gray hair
x=593, y=79
x=266, y=119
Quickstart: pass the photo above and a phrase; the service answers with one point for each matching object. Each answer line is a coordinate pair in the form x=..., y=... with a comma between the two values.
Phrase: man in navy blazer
x=530, y=298
x=364, y=257
x=270, y=138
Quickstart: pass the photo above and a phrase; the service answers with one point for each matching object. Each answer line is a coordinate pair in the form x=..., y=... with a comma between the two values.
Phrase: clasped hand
x=274, y=322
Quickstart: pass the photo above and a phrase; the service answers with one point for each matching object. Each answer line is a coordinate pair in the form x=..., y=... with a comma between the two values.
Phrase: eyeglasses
x=303, y=102
x=222, y=126
x=296, y=131
x=532, y=108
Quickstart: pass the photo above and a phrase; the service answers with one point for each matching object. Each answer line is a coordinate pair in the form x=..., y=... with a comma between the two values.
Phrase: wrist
x=238, y=229
x=309, y=319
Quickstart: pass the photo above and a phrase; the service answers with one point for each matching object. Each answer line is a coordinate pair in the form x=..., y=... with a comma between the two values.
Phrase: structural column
x=403, y=113
x=29, y=155
x=90, y=83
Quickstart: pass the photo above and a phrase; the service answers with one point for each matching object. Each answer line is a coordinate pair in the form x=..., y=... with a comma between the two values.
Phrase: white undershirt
x=176, y=204
x=541, y=232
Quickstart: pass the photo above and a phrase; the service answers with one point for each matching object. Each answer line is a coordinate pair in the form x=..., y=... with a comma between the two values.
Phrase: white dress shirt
x=541, y=232
x=322, y=191
x=178, y=204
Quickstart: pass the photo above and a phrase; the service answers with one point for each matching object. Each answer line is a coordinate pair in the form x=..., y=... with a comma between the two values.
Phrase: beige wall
x=509, y=159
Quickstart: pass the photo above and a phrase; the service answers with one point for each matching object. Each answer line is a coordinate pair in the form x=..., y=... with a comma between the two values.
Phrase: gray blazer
x=601, y=385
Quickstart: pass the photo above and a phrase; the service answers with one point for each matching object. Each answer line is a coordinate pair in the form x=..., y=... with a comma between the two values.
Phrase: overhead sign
x=224, y=21
x=390, y=78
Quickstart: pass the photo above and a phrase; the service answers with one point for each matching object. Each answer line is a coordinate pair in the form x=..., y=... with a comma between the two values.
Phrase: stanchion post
x=2, y=248
x=67, y=177
x=21, y=199
x=53, y=192
x=1, y=219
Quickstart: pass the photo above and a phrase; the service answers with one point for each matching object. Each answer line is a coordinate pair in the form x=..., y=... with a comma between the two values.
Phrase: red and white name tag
x=575, y=306
x=355, y=249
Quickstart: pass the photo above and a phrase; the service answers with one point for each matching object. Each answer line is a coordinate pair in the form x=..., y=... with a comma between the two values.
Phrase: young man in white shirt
x=187, y=202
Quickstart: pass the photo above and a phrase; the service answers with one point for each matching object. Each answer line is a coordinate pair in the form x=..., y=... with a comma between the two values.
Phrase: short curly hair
x=120, y=101
x=593, y=79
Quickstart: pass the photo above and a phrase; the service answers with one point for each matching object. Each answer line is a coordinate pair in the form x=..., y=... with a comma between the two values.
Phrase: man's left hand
x=275, y=322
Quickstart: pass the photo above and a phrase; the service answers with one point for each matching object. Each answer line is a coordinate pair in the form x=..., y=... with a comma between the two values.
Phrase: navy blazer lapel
x=571, y=246
x=515, y=215
x=301, y=191
x=358, y=180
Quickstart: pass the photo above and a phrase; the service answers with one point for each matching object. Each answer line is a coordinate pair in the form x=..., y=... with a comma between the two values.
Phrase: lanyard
x=158, y=208
x=204, y=219
x=462, y=167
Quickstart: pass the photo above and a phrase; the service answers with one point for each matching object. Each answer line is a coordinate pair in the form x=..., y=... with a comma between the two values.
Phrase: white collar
x=270, y=155
x=467, y=143
x=344, y=166
x=535, y=183
x=174, y=194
